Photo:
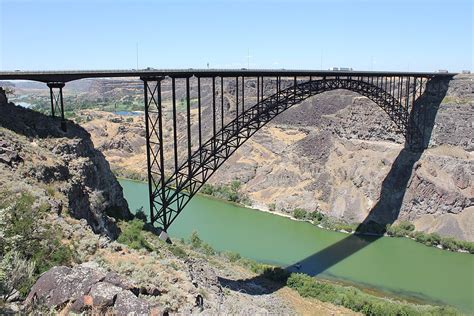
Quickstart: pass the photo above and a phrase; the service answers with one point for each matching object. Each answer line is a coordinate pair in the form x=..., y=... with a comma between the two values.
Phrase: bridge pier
x=57, y=102
x=154, y=149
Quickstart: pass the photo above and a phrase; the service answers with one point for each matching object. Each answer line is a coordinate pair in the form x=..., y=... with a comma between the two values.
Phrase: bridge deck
x=70, y=75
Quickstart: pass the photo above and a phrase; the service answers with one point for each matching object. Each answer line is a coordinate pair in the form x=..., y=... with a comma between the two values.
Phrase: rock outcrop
x=35, y=152
x=86, y=287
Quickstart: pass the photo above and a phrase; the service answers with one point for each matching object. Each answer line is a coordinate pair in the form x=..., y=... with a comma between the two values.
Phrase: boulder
x=128, y=304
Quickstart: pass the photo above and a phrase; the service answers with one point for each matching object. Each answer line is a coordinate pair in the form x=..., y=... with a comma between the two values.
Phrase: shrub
x=207, y=189
x=226, y=192
x=207, y=249
x=140, y=214
x=15, y=274
x=28, y=241
x=407, y=226
x=276, y=274
x=299, y=213
x=233, y=256
x=272, y=207
x=195, y=240
x=449, y=243
x=132, y=235
x=178, y=251
x=253, y=265
x=315, y=216
x=408, y=229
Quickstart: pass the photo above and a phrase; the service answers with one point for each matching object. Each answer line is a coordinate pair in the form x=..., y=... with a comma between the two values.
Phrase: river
x=395, y=266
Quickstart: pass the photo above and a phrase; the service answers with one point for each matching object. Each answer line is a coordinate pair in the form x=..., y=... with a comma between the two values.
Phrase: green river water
x=396, y=266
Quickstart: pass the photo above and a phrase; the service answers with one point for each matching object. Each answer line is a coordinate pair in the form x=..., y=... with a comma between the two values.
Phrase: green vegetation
x=407, y=229
x=233, y=256
x=178, y=251
x=359, y=301
x=318, y=218
x=132, y=235
x=226, y=192
x=197, y=244
x=272, y=207
x=403, y=229
x=29, y=244
x=299, y=213
x=455, y=100
x=347, y=296
x=307, y=286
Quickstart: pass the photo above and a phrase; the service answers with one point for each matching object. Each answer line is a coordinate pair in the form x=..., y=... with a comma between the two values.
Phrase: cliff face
x=37, y=155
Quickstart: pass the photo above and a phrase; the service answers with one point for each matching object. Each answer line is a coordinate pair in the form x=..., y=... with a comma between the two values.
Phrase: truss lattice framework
x=57, y=103
x=169, y=195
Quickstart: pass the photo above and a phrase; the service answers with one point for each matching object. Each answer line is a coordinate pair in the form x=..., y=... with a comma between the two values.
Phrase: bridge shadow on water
x=385, y=212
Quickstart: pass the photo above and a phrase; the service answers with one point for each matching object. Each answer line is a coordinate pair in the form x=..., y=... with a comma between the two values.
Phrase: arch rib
x=194, y=172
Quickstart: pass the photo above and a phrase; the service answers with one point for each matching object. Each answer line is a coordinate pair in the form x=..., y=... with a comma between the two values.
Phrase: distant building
x=466, y=72
x=442, y=71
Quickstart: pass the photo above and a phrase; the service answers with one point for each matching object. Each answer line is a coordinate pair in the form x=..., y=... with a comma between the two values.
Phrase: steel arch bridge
x=177, y=172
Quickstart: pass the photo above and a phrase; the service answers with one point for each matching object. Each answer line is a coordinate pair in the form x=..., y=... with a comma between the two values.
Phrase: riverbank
x=394, y=266
x=269, y=280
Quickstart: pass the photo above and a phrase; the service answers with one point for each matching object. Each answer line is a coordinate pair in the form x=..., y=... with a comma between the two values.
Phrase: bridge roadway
x=71, y=75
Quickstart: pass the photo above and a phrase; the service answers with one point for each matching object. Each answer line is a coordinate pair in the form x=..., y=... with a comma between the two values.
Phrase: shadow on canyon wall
x=385, y=212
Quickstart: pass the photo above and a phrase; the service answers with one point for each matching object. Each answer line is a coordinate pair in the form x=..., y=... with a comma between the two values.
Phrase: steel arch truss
x=170, y=193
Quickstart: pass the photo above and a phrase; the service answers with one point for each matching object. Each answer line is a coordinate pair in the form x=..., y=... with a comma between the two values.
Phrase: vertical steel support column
x=199, y=118
x=51, y=94
x=222, y=107
x=277, y=89
x=294, y=89
x=154, y=137
x=258, y=89
x=164, y=201
x=57, y=101
x=214, y=111
x=243, y=97
x=188, y=123
x=175, y=133
x=237, y=102
x=400, y=84
x=147, y=130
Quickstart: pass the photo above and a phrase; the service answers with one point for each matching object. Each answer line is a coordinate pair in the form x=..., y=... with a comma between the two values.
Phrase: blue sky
x=416, y=35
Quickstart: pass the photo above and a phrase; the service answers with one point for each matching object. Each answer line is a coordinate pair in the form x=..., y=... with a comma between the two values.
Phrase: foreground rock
x=87, y=288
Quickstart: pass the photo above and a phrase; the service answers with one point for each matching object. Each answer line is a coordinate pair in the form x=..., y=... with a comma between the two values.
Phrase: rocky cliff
x=340, y=154
x=35, y=154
